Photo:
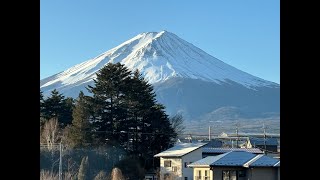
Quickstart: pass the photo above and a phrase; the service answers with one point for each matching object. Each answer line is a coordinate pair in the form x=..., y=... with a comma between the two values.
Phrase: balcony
x=202, y=178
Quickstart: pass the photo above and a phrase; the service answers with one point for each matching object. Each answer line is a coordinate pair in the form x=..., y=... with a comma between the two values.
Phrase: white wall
x=191, y=157
x=179, y=162
x=202, y=169
x=174, y=162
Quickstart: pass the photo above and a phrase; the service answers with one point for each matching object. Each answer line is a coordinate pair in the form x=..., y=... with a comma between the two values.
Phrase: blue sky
x=244, y=34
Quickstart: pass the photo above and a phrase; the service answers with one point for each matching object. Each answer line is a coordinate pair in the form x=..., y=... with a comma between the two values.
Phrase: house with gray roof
x=236, y=165
x=174, y=161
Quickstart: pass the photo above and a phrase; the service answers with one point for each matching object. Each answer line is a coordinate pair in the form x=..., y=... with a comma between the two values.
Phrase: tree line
x=121, y=112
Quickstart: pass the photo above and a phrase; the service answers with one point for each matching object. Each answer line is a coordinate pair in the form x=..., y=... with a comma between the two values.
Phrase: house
x=186, y=140
x=213, y=143
x=223, y=135
x=174, y=161
x=268, y=144
x=201, y=168
x=217, y=151
x=264, y=167
x=236, y=165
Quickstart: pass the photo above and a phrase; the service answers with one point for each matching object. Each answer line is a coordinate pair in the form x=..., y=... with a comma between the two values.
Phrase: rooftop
x=234, y=158
x=237, y=158
x=264, y=161
x=180, y=149
x=260, y=141
x=277, y=164
x=224, y=150
x=205, y=162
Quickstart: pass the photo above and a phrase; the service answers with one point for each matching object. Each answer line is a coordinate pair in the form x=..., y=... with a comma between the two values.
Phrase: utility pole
x=237, y=135
x=209, y=133
x=264, y=138
x=60, y=163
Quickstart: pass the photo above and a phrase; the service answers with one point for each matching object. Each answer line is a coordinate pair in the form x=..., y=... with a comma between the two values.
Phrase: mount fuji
x=186, y=80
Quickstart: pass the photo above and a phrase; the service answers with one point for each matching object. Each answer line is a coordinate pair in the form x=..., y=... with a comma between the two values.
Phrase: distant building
x=174, y=161
x=186, y=140
x=269, y=144
x=223, y=135
x=236, y=165
x=232, y=143
x=214, y=143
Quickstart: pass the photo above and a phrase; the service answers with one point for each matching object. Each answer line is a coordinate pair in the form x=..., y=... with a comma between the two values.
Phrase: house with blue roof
x=206, y=151
x=236, y=165
x=268, y=144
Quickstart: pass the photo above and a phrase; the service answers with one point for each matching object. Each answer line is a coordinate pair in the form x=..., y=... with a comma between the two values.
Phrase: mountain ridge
x=158, y=56
x=186, y=79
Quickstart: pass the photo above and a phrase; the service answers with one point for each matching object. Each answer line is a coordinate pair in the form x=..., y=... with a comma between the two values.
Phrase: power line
x=157, y=133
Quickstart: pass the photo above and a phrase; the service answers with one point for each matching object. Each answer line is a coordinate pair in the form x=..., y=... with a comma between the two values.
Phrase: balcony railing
x=202, y=178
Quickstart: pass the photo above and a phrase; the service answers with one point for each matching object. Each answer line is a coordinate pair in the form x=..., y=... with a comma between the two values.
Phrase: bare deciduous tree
x=48, y=175
x=177, y=123
x=50, y=133
x=84, y=169
x=116, y=174
x=101, y=176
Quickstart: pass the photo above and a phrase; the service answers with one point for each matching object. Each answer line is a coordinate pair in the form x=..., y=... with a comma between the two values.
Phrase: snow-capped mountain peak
x=159, y=56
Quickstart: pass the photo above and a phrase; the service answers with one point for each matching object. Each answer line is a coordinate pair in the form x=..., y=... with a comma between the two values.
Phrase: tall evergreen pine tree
x=42, y=108
x=80, y=131
x=56, y=106
x=108, y=98
x=125, y=109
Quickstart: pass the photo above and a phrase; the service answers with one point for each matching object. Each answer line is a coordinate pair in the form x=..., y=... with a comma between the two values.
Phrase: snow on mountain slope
x=159, y=57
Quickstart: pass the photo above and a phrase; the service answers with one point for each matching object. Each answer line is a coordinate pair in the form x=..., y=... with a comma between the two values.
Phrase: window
x=206, y=175
x=185, y=178
x=233, y=175
x=167, y=163
x=225, y=175
x=174, y=168
x=198, y=175
x=229, y=175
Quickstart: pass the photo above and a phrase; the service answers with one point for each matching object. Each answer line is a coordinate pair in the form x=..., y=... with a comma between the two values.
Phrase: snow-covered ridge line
x=159, y=57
